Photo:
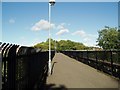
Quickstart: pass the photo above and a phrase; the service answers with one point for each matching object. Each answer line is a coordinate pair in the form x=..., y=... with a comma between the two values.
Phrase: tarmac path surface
x=69, y=73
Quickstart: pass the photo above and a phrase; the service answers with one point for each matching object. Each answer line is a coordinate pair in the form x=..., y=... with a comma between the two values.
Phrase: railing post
x=87, y=57
x=104, y=58
x=111, y=62
x=82, y=56
x=4, y=59
x=96, y=55
x=12, y=67
x=118, y=62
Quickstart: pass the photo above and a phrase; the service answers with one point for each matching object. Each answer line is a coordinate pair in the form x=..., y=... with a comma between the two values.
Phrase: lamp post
x=51, y=3
x=55, y=46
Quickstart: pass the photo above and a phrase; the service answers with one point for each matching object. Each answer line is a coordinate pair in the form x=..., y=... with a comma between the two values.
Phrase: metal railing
x=106, y=61
x=23, y=67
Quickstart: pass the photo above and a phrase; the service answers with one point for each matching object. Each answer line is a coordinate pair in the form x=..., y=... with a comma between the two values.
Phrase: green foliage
x=108, y=38
x=118, y=38
x=62, y=45
x=70, y=45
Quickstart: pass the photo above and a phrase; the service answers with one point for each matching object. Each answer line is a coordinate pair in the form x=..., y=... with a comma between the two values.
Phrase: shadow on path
x=54, y=87
x=53, y=67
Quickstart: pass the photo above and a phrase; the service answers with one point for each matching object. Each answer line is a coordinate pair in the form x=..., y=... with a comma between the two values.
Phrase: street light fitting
x=52, y=2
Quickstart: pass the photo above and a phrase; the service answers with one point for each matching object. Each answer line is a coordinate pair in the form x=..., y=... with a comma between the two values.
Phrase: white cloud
x=59, y=27
x=89, y=44
x=42, y=25
x=81, y=33
x=62, y=29
x=12, y=20
x=88, y=39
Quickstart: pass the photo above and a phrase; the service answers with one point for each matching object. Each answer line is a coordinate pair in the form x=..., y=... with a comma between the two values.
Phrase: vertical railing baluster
x=111, y=62
x=4, y=59
x=96, y=55
x=87, y=57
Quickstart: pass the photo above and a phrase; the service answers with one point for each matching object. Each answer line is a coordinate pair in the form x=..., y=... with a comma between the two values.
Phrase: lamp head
x=52, y=2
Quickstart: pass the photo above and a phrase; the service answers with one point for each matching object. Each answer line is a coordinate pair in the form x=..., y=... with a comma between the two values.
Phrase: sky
x=27, y=23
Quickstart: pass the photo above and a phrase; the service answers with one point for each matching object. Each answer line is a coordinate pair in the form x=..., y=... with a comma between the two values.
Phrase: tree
x=118, y=38
x=108, y=38
x=61, y=45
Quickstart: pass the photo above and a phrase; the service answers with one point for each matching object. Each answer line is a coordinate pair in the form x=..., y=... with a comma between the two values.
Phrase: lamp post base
x=49, y=68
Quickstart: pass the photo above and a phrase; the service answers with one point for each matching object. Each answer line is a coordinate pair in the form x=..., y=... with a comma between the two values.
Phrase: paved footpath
x=69, y=73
